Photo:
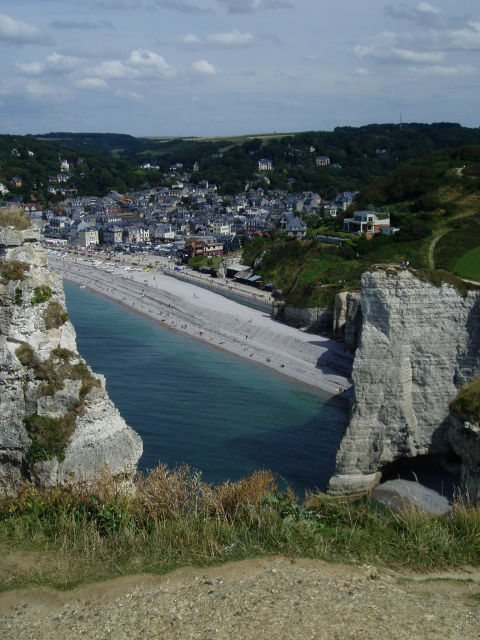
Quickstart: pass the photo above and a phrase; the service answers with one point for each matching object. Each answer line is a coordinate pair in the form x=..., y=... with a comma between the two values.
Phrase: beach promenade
x=223, y=323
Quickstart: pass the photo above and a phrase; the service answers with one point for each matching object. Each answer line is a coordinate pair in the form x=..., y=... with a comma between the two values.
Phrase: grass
x=462, y=238
x=468, y=266
x=466, y=405
x=173, y=519
x=13, y=270
x=54, y=315
x=14, y=217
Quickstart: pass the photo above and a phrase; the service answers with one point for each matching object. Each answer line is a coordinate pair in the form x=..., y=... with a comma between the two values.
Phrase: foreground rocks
x=259, y=599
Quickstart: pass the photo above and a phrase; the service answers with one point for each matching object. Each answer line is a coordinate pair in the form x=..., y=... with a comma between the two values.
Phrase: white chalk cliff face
x=57, y=423
x=419, y=344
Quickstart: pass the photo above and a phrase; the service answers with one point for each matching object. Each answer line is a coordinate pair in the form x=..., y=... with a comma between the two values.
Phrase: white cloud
x=113, y=69
x=91, y=83
x=424, y=14
x=83, y=25
x=146, y=61
x=438, y=70
x=385, y=48
x=55, y=63
x=38, y=89
x=232, y=39
x=204, y=68
x=190, y=40
x=118, y=4
x=248, y=6
x=17, y=32
x=60, y=63
x=361, y=71
x=182, y=6
x=466, y=39
x=30, y=68
x=131, y=95
x=140, y=64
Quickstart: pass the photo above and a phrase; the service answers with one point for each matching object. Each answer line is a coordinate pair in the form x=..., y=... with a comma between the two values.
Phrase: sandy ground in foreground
x=308, y=358
x=267, y=598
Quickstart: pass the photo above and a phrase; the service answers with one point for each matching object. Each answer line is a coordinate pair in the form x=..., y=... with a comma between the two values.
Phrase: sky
x=228, y=67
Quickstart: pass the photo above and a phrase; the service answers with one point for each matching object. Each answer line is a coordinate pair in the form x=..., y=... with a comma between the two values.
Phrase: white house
x=368, y=222
x=265, y=165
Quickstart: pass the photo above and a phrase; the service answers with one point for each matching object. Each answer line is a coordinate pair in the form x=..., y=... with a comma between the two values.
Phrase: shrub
x=41, y=294
x=27, y=356
x=54, y=315
x=18, y=296
x=50, y=437
x=13, y=270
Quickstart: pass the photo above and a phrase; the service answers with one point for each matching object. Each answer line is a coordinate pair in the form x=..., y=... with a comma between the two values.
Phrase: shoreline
x=310, y=359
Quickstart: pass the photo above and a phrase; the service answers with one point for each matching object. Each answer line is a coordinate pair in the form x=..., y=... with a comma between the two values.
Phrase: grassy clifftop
x=173, y=519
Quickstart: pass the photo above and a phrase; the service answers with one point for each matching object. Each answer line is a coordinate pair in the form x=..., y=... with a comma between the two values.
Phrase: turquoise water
x=192, y=403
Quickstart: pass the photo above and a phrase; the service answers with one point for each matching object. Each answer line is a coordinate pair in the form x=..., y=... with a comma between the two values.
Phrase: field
x=468, y=266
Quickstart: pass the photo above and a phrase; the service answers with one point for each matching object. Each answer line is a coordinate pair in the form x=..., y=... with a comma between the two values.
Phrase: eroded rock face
x=418, y=345
x=347, y=318
x=315, y=319
x=38, y=346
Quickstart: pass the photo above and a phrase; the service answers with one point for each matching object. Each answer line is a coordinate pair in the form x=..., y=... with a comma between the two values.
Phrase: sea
x=192, y=403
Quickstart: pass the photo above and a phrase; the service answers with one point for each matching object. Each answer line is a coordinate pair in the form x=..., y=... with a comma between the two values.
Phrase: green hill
x=433, y=200
x=357, y=155
x=104, y=143
x=37, y=163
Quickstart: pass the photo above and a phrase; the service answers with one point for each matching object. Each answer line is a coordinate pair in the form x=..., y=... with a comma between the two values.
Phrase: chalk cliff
x=57, y=423
x=419, y=344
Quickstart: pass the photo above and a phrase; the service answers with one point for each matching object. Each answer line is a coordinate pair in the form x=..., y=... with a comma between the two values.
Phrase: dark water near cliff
x=195, y=404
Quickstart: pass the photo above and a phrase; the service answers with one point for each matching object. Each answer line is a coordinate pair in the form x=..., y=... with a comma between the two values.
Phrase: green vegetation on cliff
x=50, y=436
x=466, y=405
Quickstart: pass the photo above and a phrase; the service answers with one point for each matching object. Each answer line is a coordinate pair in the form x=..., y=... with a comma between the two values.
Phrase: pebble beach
x=206, y=315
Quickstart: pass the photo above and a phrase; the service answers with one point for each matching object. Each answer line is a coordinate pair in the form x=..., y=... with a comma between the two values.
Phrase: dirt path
x=277, y=598
x=431, y=249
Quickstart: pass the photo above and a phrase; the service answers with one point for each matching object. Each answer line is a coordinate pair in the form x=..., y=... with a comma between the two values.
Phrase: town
x=187, y=220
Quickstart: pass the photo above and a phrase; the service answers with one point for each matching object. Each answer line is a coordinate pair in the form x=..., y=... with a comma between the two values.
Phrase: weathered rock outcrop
x=465, y=438
x=347, y=318
x=315, y=319
x=419, y=344
x=57, y=423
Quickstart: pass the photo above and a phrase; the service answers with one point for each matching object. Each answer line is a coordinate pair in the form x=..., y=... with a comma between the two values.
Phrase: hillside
x=357, y=155
x=434, y=201
x=104, y=143
x=38, y=166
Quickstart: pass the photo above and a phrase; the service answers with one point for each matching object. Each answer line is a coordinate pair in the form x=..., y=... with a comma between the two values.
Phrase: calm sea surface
x=195, y=404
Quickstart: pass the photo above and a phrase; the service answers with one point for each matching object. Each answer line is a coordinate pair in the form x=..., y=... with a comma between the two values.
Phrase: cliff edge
x=57, y=423
x=419, y=344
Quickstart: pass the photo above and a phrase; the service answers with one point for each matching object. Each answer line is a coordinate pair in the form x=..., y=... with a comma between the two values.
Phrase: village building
x=368, y=222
